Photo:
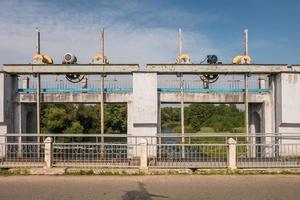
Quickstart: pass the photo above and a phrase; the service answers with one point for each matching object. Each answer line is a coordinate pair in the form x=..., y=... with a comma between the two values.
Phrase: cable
x=203, y=60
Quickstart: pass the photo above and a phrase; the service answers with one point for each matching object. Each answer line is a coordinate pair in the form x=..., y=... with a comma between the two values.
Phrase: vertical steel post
x=180, y=41
x=102, y=108
x=246, y=42
x=182, y=112
x=102, y=95
x=38, y=115
x=38, y=44
x=159, y=125
x=246, y=104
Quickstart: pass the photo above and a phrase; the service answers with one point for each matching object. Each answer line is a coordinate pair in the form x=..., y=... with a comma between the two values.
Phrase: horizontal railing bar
x=179, y=144
x=91, y=144
x=159, y=134
x=61, y=135
x=21, y=143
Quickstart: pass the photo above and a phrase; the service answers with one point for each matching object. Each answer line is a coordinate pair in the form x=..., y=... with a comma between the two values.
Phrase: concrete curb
x=132, y=172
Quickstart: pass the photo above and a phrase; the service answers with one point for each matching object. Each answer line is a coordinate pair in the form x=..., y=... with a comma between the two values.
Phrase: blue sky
x=146, y=31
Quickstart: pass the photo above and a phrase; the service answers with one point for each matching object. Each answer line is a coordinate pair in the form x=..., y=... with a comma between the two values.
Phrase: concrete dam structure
x=272, y=105
x=269, y=93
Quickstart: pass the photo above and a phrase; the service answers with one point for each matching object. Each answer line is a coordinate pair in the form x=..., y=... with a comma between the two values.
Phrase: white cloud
x=126, y=42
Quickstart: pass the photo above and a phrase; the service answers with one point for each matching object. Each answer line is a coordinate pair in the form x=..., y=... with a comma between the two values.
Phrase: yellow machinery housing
x=100, y=59
x=183, y=59
x=42, y=59
x=241, y=60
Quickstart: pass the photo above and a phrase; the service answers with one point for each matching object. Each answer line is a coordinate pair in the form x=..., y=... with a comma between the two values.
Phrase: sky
x=141, y=32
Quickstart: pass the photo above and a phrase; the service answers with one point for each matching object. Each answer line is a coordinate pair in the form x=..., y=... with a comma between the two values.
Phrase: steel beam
x=246, y=101
x=222, y=68
x=65, y=69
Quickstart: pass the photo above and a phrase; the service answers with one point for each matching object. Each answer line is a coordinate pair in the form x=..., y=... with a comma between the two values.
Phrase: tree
x=54, y=119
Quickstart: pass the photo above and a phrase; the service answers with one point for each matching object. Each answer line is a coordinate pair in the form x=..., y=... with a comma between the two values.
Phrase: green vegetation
x=81, y=118
x=206, y=118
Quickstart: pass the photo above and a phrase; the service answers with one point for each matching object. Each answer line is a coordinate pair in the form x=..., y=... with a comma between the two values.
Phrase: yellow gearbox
x=42, y=59
x=183, y=59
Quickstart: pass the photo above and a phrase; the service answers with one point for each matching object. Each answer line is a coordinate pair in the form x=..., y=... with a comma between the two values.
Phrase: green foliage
x=75, y=127
x=205, y=129
x=204, y=118
x=86, y=118
x=115, y=118
x=54, y=119
x=187, y=129
x=83, y=118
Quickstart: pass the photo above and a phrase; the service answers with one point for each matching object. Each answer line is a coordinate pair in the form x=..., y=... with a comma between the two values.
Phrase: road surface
x=151, y=187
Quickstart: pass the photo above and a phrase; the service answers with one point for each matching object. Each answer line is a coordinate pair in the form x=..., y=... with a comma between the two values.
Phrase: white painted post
x=48, y=152
x=143, y=154
x=231, y=156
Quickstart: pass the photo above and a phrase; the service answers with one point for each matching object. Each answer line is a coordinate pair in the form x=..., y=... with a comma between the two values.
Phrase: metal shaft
x=102, y=95
x=102, y=86
x=246, y=42
x=182, y=113
x=102, y=43
x=180, y=41
x=246, y=105
x=38, y=117
x=38, y=40
x=102, y=107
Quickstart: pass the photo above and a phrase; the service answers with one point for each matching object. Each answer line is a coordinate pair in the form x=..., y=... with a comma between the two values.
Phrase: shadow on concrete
x=142, y=194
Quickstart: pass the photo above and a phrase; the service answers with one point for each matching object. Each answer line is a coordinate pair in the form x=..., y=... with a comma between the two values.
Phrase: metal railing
x=268, y=155
x=14, y=154
x=205, y=150
x=90, y=155
x=225, y=84
x=188, y=156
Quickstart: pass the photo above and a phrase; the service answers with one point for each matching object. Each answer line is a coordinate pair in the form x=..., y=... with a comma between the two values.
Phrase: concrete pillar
x=48, y=152
x=145, y=110
x=287, y=107
x=8, y=91
x=130, y=139
x=231, y=155
x=143, y=154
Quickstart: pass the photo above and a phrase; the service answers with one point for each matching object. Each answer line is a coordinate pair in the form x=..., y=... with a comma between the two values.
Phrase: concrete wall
x=288, y=100
x=165, y=97
x=8, y=90
x=144, y=108
x=279, y=110
x=288, y=111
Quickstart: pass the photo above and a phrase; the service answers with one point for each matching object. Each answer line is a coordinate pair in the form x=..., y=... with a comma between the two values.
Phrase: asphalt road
x=150, y=187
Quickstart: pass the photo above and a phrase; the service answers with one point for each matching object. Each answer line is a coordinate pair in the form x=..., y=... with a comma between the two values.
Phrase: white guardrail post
x=231, y=155
x=48, y=152
x=143, y=154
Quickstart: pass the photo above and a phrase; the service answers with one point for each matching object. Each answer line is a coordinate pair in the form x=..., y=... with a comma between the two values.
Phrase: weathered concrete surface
x=63, y=69
x=144, y=110
x=38, y=171
x=150, y=187
x=165, y=97
x=75, y=98
x=221, y=69
x=288, y=95
x=170, y=97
